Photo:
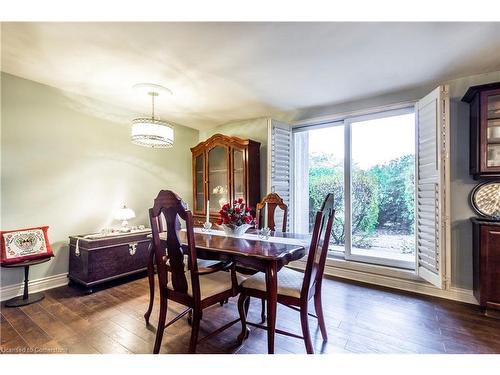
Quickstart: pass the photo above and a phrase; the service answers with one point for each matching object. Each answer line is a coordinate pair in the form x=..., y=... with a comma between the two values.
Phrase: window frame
x=346, y=121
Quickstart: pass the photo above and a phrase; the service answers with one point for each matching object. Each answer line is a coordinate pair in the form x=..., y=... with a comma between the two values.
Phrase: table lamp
x=124, y=214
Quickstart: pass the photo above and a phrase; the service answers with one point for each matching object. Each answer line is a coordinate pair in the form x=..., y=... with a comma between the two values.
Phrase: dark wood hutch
x=484, y=163
x=484, y=158
x=224, y=169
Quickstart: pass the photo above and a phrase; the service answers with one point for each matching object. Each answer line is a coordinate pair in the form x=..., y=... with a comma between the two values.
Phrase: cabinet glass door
x=199, y=203
x=493, y=132
x=238, y=175
x=218, y=177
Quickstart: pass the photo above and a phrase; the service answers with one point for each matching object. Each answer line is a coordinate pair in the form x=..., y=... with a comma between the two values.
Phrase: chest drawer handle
x=77, y=248
x=132, y=248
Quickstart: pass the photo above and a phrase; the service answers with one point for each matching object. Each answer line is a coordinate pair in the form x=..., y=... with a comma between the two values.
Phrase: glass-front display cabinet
x=224, y=169
x=484, y=101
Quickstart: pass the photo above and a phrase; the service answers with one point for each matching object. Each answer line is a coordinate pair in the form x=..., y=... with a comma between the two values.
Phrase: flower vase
x=235, y=230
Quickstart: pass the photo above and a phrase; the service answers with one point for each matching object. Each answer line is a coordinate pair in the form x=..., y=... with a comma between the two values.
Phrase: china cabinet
x=224, y=168
x=484, y=101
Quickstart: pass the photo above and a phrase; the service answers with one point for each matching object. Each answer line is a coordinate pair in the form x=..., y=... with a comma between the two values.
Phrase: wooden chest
x=96, y=260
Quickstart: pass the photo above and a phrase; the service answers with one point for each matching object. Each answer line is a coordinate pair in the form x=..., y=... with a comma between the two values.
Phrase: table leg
x=151, y=279
x=27, y=298
x=272, y=297
x=26, y=275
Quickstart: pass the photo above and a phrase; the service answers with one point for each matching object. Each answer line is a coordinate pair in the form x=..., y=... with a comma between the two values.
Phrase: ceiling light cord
x=153, y=105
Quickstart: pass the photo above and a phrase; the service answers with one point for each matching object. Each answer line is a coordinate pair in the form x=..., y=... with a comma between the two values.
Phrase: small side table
x=26, y=298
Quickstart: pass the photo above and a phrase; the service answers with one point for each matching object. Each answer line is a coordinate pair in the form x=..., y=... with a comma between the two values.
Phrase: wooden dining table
x=267, y=255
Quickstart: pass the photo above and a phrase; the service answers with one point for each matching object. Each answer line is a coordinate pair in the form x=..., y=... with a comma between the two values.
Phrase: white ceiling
x=220, y=72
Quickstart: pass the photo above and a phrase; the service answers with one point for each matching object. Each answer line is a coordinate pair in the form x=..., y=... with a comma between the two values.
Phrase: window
x=389, y=172
x=372, y=158
x=382, y=167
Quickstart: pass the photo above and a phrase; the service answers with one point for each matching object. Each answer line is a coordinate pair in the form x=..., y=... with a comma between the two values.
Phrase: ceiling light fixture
x=152, y=132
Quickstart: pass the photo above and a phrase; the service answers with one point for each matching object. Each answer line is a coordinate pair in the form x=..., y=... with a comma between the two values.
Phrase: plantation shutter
x=432, y=180
x=280, y=166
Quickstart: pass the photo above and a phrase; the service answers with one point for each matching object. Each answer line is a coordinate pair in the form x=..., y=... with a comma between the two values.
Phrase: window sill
x=336, y=263
x=389, y=277
x=373, y=269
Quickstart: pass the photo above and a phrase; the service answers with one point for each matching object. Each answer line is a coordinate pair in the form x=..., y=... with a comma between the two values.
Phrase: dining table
x=264, y=253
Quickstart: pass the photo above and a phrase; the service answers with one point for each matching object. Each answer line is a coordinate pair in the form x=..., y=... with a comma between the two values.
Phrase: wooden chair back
x=173, y=209
x=318, y=250
x=273, y=200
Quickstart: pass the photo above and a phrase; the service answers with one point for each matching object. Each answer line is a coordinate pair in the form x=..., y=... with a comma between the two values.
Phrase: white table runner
x=254, y=237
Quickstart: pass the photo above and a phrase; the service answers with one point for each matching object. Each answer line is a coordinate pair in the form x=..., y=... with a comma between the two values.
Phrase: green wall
x=69, y=168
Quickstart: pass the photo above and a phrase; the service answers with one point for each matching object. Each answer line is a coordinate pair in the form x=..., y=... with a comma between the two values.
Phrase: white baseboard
x=11, y=291
x=455, y=294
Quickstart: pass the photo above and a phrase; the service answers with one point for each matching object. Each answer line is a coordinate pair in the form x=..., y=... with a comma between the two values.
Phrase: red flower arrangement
x=235, y=215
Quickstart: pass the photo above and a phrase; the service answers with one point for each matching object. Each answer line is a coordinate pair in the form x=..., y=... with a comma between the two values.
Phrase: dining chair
x=273, y=201
x=189, y=285
x=295, y=288
x=202, y=263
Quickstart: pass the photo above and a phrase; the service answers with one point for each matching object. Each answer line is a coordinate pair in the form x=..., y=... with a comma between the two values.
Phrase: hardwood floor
x=360, y=319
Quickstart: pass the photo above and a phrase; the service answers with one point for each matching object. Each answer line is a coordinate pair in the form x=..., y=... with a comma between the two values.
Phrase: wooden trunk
x=98, y=260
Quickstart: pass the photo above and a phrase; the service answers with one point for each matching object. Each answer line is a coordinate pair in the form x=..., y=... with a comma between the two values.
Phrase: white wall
x=67, y=168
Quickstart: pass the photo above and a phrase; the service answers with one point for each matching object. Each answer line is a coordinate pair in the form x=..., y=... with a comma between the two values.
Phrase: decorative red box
x=24, y=244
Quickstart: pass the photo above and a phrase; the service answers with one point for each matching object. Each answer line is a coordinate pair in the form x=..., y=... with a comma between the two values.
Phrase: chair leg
x=305, y=330
x=151, y=279
x=247, y=306
x=263, y=311
x=243, y=304
x=319, y=312
x=161, y=324
x=195, y=328
x=226, y=301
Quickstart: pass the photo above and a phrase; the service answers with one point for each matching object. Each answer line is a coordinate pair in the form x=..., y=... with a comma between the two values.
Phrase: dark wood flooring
x=360, y=319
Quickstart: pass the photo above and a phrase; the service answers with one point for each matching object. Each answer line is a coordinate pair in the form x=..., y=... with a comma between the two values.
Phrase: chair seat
x=289, y=282
x=202, y=263
x=211, y=284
